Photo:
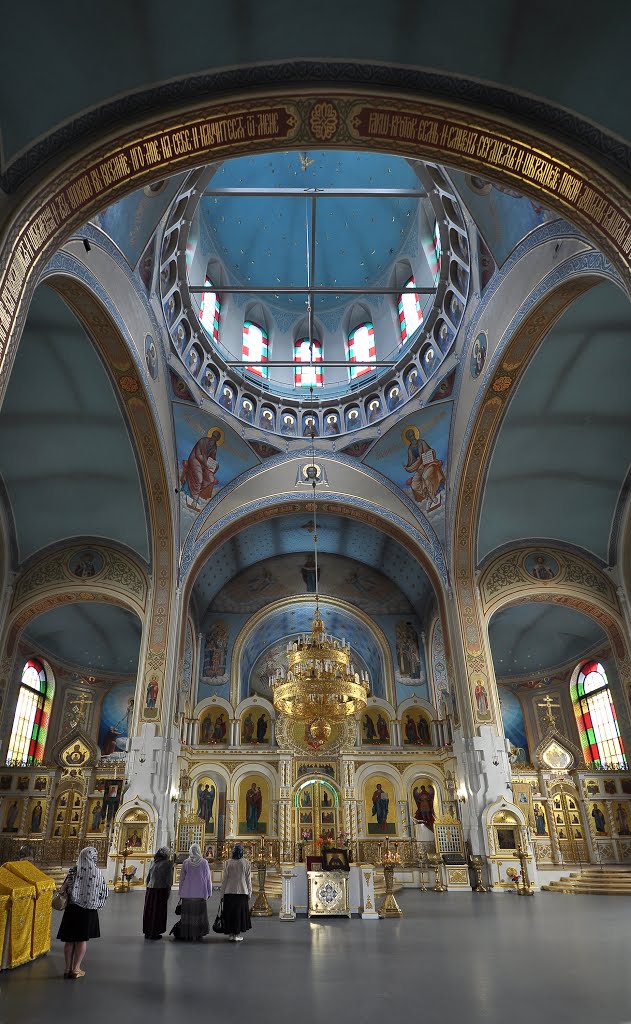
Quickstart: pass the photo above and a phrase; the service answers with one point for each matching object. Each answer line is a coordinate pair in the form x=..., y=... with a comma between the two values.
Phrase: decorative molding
x=506, y=577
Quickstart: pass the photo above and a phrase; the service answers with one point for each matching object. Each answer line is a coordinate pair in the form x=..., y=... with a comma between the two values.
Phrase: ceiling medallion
x=319, y=685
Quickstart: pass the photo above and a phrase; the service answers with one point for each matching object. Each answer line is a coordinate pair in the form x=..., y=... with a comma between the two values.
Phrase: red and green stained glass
x=596, y=718
x=255, y=347
x=410, y=315
x=210, y=310
x=308, y=352
x=360, y=349
x=32, y=713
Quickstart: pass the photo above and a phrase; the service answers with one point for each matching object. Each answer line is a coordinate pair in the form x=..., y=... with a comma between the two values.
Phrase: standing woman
x=159, y=882
x=236, y=887
x=195, y=888
x=86, y=889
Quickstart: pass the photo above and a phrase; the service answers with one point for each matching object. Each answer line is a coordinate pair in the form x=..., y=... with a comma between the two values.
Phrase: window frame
x=595, y=713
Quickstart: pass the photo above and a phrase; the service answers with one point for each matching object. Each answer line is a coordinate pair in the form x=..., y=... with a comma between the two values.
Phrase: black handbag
x=219, y=925
x=178, y=909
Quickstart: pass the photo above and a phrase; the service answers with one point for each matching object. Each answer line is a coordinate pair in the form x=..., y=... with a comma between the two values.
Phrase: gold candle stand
x=476, y=863
x=436, y=861
x=123, y=885
x=389, y=906
x=524, y=888
x=261, y=907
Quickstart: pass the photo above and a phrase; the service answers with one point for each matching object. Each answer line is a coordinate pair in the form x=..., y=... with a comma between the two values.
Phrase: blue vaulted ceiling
x=562, y=455
x=93, y=636
x=538, y=637
x=336, y=536
x=65, y=455
x=265, y=240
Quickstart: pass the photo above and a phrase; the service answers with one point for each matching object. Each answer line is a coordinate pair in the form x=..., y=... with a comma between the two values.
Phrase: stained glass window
x=596, y=718
x=254, y=347
x=209, y=310
x=309, y=376
x=361, y=349
x=410, y=315
x=437, y=251
x=30, y=724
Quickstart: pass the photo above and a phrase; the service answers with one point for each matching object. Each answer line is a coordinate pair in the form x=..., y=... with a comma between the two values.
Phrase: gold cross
x=548, y=704
x=78, y=705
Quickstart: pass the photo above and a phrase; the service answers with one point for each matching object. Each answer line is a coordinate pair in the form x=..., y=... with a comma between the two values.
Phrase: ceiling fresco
x=562, y=454
x=286, y=575
x=293, y=535
x=64, y=446
x=95, y=636
x=209, y=455
x=536, y=637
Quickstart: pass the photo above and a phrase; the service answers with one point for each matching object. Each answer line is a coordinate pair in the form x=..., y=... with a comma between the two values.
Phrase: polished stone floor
x=453, y=957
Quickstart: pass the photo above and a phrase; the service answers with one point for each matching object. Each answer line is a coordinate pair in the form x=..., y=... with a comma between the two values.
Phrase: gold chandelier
x=319, y=685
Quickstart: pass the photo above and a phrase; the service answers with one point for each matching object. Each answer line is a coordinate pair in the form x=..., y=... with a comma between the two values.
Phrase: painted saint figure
x=261, y=728
x=382, y=729
x=369, y=729
x=97, y=816
x=36, y=817
x=248, y=728
x=540, y=821
x=205, y=803
x=411, y=732
x=380, y=805
x=599, y=820
x=427, y=478
x=253, y=807
x=424, y=800
x=481, y=700
x=622, y=820
x=152, y=692
x=199, y=471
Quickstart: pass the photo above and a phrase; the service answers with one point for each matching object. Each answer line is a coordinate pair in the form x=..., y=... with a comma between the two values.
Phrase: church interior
x=315, y=494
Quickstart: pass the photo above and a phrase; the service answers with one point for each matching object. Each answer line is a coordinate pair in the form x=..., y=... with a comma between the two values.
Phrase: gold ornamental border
x=392, y=122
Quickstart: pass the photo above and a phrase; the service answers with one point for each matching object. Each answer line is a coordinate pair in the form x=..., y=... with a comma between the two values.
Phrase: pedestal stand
x=261, y=906
x=122, y=885
x=525, y=888
x=389, y=906
x=436, y=861
x=476, y=863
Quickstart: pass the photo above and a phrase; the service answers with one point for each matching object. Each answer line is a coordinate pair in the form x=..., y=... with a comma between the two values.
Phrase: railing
x=49, y=852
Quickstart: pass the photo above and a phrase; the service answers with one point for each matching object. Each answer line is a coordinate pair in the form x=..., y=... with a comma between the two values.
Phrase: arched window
x=209, y=310
x=596, y=718
x=410, y=315
x=437, y=251
x=28, y=736
x=360, y=349
x=308, y=376
x=254, y=347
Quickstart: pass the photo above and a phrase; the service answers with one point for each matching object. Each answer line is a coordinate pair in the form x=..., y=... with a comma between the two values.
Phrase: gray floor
x=451, y=958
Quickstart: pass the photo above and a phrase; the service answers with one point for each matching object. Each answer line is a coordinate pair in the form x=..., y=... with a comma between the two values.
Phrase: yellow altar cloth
x=18, y=942
x=45, y=888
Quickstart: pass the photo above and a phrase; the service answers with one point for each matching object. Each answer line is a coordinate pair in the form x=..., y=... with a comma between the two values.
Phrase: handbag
x=178, y=909
x=60, y=899
x=219, y=925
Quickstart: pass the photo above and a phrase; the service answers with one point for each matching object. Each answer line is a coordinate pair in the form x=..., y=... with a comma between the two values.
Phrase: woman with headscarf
x=159, y=882
x=86, y=890
x=195, y=888
x=236, y=888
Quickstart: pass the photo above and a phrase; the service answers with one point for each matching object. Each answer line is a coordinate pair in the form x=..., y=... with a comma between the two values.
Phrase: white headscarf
x=89, y=889
x=195, y=853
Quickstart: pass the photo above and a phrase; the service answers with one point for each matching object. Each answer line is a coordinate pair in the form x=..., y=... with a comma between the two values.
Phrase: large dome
x=284, y=280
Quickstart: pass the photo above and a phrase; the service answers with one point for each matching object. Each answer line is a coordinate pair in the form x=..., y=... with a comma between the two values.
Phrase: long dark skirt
x=193, y=923
x=236, y=913
x=79, y=924
x=154, y=918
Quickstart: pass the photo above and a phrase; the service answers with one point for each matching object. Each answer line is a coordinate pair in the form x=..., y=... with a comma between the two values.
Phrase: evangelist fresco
x=380, y=807
x=116, y=714
x=209, y=455
x=254, y=806
x=213, y=727
x=416, y=729
x=413, y=454
x=502, y=214
x=286, y=575
x=514, y=726
x=256, y=727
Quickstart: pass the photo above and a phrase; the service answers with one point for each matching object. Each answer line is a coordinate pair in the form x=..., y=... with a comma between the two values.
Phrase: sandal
x=77, y=974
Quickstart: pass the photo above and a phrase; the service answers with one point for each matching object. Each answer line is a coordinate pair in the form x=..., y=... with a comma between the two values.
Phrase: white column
x=287, y=912
x=367, y=906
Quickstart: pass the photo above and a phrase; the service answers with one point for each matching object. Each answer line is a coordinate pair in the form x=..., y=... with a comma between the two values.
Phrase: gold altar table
x=42, y=918
x=18, y=933
x=328, y=894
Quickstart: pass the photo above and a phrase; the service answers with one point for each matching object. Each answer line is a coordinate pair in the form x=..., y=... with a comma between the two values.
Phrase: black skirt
x=193, y=923
x=154, y=918
x=236, y=913
x=79, y=924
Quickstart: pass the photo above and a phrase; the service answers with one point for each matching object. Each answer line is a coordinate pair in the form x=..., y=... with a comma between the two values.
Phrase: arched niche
x=282, y=620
